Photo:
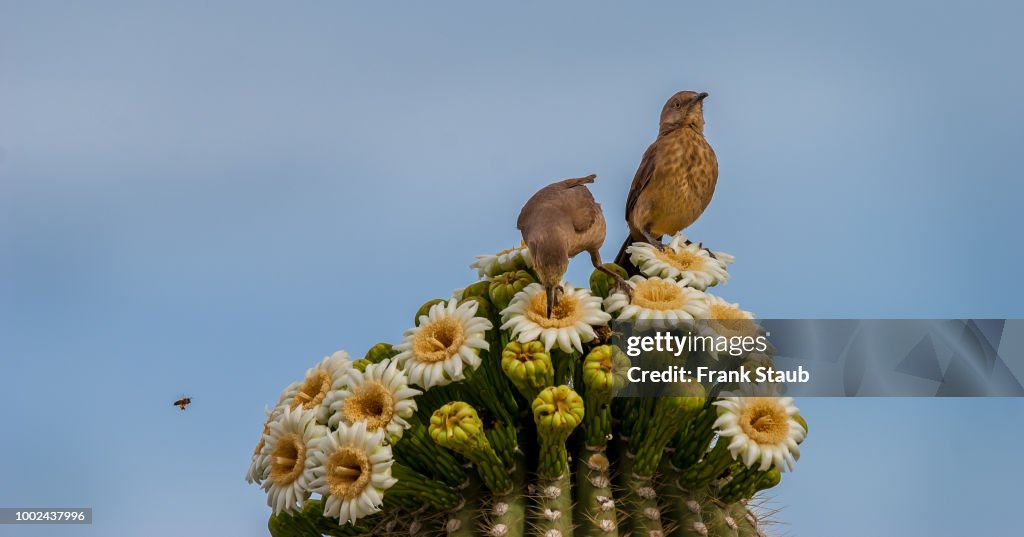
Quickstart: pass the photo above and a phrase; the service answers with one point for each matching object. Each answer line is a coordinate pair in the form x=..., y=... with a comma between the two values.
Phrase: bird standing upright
x=558, y=222
x=676, y=178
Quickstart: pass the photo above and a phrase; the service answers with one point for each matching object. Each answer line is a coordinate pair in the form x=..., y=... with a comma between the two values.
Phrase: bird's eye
x=676, y=105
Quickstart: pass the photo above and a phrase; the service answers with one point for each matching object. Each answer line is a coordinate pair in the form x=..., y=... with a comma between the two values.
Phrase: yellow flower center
x=683, y=260
x=372, y=403
x=658, y=295
x=730, y=318
x=438, y=340
x=313, y=390
x=764, y=421
x=348, y=472
x=565, y=314
x=288, y=459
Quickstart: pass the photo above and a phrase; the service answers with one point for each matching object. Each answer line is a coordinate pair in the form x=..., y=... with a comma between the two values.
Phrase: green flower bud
x=604, y=370
x=361, y=364
x=528, y=366
x=479, y=288
x=602, y=284
x=687, y=397
x=803, y=423
x=457, y=427
x=505, y=286
x=379, y=352
x=424, y=309
x=604, y=373
x=557, y=411
x=767, y=479
x=483, y=306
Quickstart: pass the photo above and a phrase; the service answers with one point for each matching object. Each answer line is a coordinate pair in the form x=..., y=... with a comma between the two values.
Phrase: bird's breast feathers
x=686, y=173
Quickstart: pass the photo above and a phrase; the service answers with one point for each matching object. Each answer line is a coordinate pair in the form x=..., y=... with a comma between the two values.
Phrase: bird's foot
x=623, y=286
x=653, y=240
x=705, y=248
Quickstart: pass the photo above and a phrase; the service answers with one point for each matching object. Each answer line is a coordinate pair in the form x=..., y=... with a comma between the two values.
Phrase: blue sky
x=207, y=199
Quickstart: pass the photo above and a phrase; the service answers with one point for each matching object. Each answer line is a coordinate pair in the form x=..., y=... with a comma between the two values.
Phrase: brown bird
x=558, y=222
x=183, y=402
x=676, y=177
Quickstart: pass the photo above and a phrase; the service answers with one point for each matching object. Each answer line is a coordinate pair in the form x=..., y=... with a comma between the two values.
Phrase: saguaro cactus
x=491, y=418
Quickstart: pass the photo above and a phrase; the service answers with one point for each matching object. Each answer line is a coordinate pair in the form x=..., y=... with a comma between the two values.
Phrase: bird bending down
x=558, y=222
x=676, y=178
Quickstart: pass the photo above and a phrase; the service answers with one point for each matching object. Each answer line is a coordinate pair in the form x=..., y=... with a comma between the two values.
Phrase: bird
x=676, y=177
x=558, y=222
x=183, y=402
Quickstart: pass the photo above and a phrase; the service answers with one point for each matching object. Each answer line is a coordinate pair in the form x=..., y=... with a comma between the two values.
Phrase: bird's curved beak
x=552, y=297
x=702, y=95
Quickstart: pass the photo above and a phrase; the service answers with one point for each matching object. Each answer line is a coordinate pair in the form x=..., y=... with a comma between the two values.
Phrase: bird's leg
x=654, y=241
x=620, y=283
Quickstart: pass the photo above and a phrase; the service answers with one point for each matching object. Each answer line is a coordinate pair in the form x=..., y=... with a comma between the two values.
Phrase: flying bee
x=183, y=402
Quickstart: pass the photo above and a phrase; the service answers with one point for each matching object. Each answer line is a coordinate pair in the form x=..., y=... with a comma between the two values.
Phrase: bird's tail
x=569, y=183
x=622, y=259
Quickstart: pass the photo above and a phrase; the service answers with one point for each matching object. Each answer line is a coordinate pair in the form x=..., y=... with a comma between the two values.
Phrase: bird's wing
x=561, y=194
x=643, y=176
x=584, y=210
x=580, y=202
x=524, y=214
